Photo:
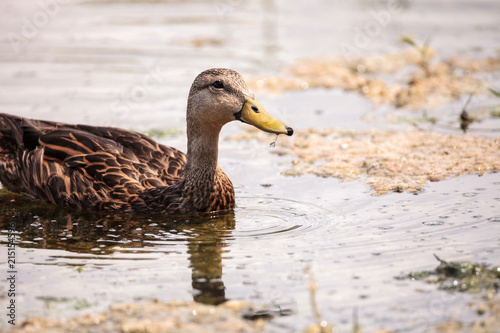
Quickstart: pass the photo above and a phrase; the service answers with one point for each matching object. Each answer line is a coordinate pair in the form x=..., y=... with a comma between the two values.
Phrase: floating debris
x=462, y=276
x=388, y=161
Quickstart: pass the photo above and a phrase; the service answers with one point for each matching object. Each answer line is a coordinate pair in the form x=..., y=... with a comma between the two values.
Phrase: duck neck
x=202, y=154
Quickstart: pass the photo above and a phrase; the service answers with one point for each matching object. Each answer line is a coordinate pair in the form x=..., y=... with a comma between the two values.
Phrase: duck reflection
x=205, y=250
x=44, y=226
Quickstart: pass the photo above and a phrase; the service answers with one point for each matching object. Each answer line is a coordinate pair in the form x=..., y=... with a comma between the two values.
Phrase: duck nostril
x=255, y=109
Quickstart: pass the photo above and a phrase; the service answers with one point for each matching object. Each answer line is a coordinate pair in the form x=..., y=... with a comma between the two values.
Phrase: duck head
x=220, y=95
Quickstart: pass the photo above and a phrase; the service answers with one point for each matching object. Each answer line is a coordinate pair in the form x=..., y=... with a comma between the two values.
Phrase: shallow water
x=354, y=243
x=130, y=64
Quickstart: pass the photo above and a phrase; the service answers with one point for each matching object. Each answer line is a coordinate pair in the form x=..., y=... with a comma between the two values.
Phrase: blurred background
x=130, y=63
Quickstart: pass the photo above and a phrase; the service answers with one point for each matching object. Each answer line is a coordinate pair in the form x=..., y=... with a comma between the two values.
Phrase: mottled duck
x=110, y=169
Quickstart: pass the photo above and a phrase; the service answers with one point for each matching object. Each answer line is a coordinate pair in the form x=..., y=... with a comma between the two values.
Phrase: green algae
x=462, y=276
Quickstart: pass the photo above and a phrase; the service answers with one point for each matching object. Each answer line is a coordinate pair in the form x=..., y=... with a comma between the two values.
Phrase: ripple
x=277, y=217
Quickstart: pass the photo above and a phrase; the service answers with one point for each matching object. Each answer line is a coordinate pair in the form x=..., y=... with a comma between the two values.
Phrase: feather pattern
x=84, y=167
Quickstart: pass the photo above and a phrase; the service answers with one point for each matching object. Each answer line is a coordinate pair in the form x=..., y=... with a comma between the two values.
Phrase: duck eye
x=218, y=84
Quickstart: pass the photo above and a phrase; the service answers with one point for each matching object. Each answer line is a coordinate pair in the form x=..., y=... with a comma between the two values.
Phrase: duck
x=96, y=168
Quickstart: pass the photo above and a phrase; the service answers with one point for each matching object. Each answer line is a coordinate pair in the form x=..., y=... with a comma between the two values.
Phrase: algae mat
x=388, y=161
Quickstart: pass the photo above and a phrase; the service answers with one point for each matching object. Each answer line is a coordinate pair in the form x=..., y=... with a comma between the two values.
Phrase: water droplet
x=494, y=219
x=432, y=223
x=273, y=144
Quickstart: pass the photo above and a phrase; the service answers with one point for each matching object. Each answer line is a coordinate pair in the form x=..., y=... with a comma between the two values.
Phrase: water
x=130, y=64
x=354, y=243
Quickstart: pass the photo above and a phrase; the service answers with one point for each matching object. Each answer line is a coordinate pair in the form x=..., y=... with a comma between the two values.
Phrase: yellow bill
x=254, y=114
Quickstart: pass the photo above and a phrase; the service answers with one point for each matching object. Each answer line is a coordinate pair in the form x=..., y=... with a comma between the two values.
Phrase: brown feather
x=101, y=168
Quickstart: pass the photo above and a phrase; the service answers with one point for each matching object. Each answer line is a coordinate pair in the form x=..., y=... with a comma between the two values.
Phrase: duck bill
x=254, y=114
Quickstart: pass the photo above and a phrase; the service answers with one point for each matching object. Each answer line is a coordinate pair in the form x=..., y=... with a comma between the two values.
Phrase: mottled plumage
x=111, y=169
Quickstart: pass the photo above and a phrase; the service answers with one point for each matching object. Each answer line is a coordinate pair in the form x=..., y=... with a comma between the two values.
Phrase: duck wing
x=84, y=167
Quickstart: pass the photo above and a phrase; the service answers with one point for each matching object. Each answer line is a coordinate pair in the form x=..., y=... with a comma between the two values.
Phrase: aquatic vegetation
x=387, y=161
x=467, y=116
x=423, y=50
x=153, y=316
x=488, y=322
x=424, y=83
x=470, y=277
x=73, y=302
x=159, y=133
x=462, y=276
